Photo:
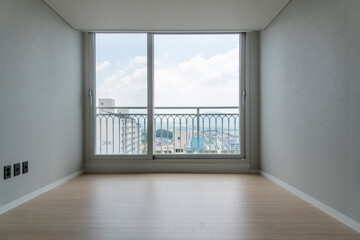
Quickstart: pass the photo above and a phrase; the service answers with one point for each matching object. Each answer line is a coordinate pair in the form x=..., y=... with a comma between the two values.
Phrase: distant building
x=116, y=131
x=180, y=141
x=106, y=102
x=193, y=145
x=123, y=111
x=232, y=144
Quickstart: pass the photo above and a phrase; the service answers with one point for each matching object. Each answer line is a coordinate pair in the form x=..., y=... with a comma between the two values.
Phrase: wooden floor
x=170, y=206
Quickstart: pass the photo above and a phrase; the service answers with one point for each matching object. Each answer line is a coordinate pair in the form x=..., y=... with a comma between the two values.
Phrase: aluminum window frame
x=90, y=110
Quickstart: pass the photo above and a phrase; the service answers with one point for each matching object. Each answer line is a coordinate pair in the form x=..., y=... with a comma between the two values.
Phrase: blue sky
x=190, y=70
x=119, y=47
x=183, y=47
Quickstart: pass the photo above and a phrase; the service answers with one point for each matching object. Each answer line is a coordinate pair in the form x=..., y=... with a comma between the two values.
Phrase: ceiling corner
x=59, y=14
x=277, y=14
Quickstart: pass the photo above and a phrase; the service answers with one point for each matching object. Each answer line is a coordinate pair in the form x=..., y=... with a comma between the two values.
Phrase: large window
x=186, y=86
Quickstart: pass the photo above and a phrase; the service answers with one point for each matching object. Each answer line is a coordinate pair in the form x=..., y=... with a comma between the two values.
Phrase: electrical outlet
x=16, y=169
x=25, y=167
x=7, y=172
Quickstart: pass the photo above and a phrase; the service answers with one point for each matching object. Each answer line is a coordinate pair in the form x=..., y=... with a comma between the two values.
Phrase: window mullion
x=242, y=102
x=150, y=93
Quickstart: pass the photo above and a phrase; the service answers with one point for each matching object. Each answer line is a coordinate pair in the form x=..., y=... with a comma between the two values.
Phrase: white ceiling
x=168, y=15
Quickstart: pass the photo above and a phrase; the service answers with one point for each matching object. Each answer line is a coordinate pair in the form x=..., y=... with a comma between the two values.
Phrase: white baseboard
x=36, y=193
x=332, y=212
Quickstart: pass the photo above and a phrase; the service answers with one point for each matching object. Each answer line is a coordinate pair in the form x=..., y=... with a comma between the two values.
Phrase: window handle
x=90, y=93
x=243, y=96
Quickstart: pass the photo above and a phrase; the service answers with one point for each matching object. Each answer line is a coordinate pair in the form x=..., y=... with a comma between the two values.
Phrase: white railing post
x=198, y=130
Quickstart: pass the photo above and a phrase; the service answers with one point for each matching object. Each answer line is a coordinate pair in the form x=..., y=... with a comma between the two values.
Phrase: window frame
x=90, y=110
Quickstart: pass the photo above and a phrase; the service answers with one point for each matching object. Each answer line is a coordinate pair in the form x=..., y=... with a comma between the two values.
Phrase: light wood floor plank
x=170, y=206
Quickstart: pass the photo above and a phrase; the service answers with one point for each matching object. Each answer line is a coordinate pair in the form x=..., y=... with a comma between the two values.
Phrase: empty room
x=168, y=119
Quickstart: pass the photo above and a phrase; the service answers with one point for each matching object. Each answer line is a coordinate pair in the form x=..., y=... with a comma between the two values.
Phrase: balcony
x=176, y=130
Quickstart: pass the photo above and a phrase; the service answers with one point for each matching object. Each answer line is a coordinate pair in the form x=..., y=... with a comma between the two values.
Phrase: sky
x=190, y=70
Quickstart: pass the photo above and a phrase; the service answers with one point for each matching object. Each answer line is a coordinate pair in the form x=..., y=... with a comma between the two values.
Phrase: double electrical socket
x=17, y=169
x=7, y=172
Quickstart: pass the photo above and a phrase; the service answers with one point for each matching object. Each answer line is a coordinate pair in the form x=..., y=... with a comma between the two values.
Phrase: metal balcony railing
x=185, y=130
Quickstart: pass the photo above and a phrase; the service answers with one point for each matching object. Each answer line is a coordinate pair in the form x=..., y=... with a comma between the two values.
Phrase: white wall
x=40, y=96
x=310, y=101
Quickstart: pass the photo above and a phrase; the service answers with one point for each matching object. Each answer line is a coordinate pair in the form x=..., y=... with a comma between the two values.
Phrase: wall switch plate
x=7, y=172
x=16, y=169
x=25, y=167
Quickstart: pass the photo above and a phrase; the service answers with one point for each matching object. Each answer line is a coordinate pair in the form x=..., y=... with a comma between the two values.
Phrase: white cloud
x=199, y=81
x=127, y=85
x=102, y=66
x=138, y=60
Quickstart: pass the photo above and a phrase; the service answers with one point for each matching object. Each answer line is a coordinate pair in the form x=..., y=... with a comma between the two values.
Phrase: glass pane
x=196, y=94
x=121, y=94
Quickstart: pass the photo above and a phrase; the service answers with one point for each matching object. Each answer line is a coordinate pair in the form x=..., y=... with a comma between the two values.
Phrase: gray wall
x=40, y=96
x=252, y=111
x=310, y=101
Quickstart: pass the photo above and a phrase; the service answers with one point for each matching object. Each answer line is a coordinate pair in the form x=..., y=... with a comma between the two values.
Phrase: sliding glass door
x=185, y=86
x=196, y=94
x=121, y=94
